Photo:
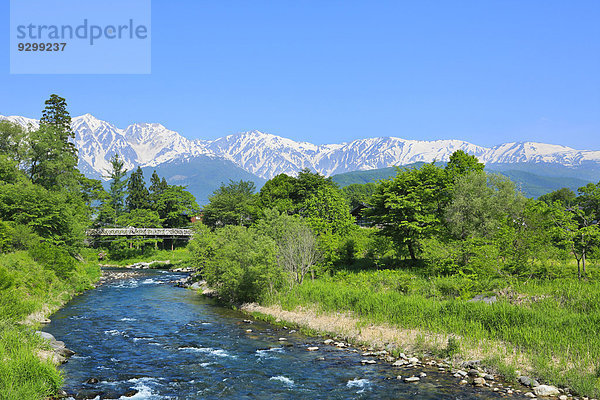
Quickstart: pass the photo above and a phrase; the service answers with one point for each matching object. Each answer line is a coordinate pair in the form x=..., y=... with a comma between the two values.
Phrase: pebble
x=413, y=360
x=412, y=379
x=463, y=382
x=313, y=348
x=529, y=394
x=479, y=382
x=282, y=339
x=368, y=362
x=422, y=375
x=328, y=341
x=248, y=330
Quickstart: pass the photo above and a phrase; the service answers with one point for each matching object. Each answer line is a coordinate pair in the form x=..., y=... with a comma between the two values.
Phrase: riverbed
x=143, y=338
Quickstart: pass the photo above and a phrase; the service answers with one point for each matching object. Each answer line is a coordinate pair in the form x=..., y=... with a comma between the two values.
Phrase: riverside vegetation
x=46, y=205
x=456, y=257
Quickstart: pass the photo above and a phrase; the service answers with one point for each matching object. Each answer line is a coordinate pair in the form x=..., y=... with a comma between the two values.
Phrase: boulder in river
x=545, y=390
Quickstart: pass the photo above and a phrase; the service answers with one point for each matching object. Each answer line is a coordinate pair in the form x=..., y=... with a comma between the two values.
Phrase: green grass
x=553, y=323
x=27, y=287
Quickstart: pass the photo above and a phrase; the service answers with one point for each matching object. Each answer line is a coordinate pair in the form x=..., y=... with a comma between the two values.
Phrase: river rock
x=473, y=372
x=471, y=364
x=545, y=390
x=328, y=341
x=527, y=381
x=368, y=362
x=479, y=382
x=563, y=397
x=488, y=377
x=460, y=373
x=413, y=360
x=412, y=379
x=92, y=381
x=130, y=393
x=282, y=339
x=529, y=394
x=463, y=382
x=45, y=335
x=312, y=348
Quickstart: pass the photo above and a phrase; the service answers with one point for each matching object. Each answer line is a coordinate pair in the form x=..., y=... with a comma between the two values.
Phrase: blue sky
x=330, y=71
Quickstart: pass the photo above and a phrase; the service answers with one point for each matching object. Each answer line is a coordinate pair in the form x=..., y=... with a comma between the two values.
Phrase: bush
x=53, y=258
x=243, y=264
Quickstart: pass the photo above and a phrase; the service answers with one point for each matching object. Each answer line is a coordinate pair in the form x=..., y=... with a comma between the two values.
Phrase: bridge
x=155, y=233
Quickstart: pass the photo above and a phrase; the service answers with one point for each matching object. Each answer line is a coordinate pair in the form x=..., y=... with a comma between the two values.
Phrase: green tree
x=232, y=204
x=461, y=163
x=280, y=193
x=175, y=205
x=140, y=218
x=565, y=196
x=137, y=193
x=243, y=263
x=55, y=113
x=51, y=156
x=11, y=140
x=409, y=206
x=156, y=188
x=325, y=210
x=359, y=193
x=118, y=184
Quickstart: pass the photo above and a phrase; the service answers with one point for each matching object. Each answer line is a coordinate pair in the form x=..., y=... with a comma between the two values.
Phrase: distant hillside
x=202, y=175
x=533, y=180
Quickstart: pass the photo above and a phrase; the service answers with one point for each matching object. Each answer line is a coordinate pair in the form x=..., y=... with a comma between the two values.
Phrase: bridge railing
x=131, y=231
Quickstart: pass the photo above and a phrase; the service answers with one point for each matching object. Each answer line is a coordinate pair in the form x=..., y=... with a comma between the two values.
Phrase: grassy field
x=28, y=288
x=548, y=329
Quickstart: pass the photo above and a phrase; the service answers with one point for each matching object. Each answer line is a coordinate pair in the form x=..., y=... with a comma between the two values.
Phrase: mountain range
x=261, y=156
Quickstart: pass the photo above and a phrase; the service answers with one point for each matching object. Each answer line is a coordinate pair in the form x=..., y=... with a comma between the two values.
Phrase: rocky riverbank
x=389, y=345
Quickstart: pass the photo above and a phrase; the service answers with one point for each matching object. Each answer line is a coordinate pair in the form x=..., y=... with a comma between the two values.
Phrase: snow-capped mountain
x=266, y=155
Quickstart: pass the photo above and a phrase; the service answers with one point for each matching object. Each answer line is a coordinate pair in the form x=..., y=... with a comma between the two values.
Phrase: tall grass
x=27, y=287
x=553, y=323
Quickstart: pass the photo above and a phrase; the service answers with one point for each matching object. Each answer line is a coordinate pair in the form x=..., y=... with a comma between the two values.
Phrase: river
x=148, y=339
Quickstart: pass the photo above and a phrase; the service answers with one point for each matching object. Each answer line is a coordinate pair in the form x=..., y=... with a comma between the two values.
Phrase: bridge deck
x=148, y=232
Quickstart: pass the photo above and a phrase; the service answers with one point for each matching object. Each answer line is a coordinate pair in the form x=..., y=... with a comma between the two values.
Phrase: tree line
x=450, y=220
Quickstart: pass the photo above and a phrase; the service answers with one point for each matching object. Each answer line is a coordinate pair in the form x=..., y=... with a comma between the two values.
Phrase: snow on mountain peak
x=267, y=155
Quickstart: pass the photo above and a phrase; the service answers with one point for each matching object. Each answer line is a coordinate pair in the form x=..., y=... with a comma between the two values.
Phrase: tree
x=55, y=113
x=298, y=252
x=232, y=204
x=137, y=193
x=243, y=263
x=157, y=188
x=298, y=247
x=140, y=218
x=359, y=193
x=576, y=231
x=11, y=140
x=280, y=193
x=118, y=182
x=565, y=196
x=51, y=157
x=326, y=210
x=175, y=206
x=409, y=206
x=461, y=163
x=480, y=204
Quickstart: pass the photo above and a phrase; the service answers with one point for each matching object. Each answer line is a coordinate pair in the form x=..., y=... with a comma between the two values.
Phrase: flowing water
x=148, y=339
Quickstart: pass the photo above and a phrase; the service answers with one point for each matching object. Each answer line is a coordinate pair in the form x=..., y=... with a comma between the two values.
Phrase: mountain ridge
x=267, y=155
